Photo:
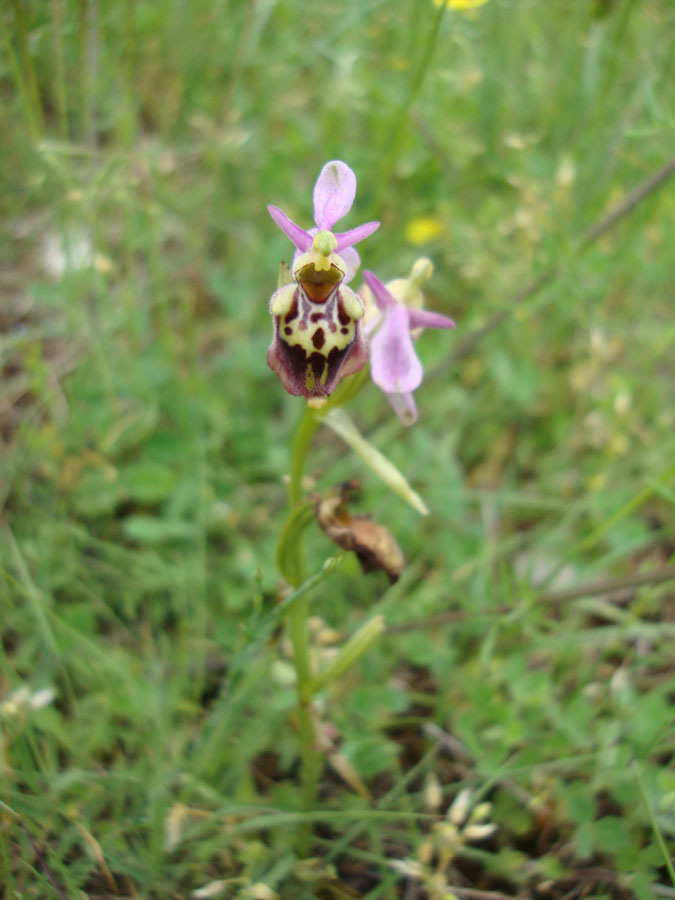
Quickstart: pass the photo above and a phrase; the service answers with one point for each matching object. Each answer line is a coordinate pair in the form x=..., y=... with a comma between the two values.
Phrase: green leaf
x=339, y=422
x=642, y=882
x=153, y=530
x=611, y=835
x=129, y=432
x=369, y=754
x=350, y=652
x=148, y=482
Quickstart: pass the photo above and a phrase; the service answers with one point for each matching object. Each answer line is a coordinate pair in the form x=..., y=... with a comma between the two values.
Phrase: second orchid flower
x=394, y=365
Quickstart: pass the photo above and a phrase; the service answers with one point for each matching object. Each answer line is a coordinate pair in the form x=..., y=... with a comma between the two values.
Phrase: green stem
x=301, y=444
x=298, y=613
x=311, y=419
x=310, y=759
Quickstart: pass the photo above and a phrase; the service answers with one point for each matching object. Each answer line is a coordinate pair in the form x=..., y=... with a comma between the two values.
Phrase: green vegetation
x=148, y=746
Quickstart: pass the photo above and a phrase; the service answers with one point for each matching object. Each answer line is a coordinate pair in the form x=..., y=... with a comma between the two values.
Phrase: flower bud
x=421, y=271
x=459, y=808
x=433, y=795
x=479, y=832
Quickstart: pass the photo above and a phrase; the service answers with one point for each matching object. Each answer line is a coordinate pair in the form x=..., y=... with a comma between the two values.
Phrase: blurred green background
x=145, y=743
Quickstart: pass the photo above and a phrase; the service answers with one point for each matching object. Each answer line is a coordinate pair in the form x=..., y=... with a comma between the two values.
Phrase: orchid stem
x=310, y=758
x=301, y=443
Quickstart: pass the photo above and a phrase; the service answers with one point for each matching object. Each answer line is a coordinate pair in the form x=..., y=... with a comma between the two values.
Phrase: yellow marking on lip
x=282, y=300
x=303, y=338
x=352, y=303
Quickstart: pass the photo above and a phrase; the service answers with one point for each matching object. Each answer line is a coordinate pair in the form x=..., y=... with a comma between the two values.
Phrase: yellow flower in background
x=460, y=4
x=422, y=230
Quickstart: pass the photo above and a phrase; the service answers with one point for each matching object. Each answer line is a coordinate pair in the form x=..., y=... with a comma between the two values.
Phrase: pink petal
x=393, y=364
x=301, y=238
x=404, y=407
x=352, y=260
x=360, y=233
x=382, y=296
x=423, y=318
x=334, y=194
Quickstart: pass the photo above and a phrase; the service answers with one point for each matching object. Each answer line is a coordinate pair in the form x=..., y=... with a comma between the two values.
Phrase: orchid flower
x=318, y=338
x=334, y=194
x=394, y=365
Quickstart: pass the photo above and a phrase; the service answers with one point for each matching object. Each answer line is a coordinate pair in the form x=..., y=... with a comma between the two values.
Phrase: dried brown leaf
x=375, y=547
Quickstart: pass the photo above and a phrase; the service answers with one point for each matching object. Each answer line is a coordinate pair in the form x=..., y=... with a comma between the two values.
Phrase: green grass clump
x=145, y=445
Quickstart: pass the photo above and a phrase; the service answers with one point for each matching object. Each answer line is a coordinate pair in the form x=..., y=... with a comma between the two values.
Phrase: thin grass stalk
x=60, y=90
x=22, y=89
x=130, y=71
x=402, y=116
x=667, y=858
x=582, y=243
x=86, y=61
x=27, y=62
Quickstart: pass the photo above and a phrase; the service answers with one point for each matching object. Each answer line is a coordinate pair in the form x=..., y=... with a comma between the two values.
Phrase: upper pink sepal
x=334, y=194
x=301, y=238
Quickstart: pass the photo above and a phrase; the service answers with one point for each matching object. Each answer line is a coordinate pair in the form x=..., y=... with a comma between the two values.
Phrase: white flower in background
x=71, y=252
x=21, y=700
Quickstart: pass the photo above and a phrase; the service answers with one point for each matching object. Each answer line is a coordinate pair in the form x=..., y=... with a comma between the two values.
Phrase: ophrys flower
x=317, y=319
x=394, y=365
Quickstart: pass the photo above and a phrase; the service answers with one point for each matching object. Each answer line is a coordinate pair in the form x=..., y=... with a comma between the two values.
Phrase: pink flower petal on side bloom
x=334, y=194
x=301, y=238
x=352, y=260
x=404, y=407
x=423, y=318
x=382, y=296
x=393, y=363
x=360, y=233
